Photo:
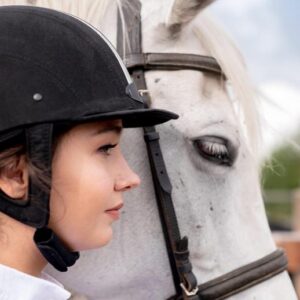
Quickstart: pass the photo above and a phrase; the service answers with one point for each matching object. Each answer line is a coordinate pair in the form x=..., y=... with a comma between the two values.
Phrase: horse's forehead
x=160, y=39
x=200, y=100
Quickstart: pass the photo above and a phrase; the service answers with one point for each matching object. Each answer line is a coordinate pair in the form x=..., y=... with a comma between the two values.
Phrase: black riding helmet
x=55, y=68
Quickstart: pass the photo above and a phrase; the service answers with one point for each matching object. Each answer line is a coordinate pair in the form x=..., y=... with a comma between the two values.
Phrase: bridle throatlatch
x=185, y=281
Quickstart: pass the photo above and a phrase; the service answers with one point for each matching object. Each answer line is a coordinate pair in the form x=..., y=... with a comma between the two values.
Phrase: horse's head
x=210, y=153
x=209, y=150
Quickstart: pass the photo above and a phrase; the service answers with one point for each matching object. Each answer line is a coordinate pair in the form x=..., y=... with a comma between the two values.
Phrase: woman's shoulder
x=16, y=285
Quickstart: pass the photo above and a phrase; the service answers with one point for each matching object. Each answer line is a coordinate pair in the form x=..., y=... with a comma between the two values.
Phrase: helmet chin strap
x=35, y=211
x=53, y=249
x=39, y=147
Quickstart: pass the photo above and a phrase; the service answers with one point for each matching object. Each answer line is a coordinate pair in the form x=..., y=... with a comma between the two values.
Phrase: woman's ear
x=14, y=180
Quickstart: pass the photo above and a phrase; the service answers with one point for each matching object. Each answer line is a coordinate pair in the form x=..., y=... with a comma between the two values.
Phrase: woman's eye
x=106, y=149
x=215, y=149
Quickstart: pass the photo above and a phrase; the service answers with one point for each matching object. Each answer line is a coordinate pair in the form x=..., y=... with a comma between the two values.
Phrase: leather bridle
x=172, y=61
x=185, y=281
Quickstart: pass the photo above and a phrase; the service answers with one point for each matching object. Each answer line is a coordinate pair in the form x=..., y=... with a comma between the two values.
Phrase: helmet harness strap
x=35, y=211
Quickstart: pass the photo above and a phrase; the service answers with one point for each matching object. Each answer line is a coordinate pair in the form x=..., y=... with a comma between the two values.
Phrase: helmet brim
x=134, y=117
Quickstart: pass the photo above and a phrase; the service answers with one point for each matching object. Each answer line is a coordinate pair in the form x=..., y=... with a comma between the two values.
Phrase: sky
x=268, y=34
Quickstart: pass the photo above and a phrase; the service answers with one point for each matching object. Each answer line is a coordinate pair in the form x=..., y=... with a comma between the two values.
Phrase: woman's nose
x=126, y=180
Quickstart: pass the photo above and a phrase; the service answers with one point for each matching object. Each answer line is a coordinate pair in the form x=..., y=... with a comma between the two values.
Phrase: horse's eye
x=215, y=149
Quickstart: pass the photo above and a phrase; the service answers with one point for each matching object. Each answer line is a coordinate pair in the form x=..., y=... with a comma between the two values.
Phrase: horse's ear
x=183, y=11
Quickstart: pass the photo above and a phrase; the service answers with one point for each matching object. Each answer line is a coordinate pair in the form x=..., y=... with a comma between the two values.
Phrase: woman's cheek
x=95, y=237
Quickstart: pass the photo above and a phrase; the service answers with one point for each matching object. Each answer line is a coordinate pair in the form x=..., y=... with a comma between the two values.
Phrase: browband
x=172, y=61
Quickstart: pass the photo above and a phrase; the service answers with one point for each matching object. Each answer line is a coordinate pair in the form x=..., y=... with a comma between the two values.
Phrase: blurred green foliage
x=283, y=171
x=280, y=176
x=280, y=213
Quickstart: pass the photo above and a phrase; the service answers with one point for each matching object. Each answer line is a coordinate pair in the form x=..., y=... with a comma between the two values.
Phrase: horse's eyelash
x=214, y=148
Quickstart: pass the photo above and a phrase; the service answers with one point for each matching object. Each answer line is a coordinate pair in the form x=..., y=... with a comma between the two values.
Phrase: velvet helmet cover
x=56, y=68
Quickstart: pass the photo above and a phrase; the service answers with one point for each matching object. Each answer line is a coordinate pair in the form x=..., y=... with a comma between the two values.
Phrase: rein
x=185, y=281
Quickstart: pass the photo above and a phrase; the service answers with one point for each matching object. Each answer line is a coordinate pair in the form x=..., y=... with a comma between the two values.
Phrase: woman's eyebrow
x=110, y=128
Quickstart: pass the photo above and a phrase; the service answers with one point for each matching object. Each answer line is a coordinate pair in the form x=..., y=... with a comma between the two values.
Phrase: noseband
x=185, y=281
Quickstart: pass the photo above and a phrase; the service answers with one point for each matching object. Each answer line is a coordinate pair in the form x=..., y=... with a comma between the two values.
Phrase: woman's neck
x=18, y=249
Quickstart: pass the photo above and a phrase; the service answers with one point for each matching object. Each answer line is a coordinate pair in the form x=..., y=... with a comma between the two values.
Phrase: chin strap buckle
x=53, y=249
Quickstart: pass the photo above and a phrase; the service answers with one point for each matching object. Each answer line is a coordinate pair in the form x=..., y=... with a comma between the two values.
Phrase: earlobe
x=14, y=181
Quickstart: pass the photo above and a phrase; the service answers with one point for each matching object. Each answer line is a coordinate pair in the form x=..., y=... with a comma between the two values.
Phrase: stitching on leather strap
x=172, y=61
x=244, y=277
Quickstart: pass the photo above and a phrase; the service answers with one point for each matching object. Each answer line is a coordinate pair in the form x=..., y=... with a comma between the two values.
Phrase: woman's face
x=89, y=175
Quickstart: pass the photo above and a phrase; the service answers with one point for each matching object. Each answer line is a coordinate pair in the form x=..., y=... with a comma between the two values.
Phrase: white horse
x=219, y=206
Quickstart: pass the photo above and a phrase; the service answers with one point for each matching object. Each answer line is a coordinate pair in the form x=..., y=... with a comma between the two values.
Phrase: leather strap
x=180, y=265
x=53, y=249
x=242, y=278
x=172, y=61
x=35, y=211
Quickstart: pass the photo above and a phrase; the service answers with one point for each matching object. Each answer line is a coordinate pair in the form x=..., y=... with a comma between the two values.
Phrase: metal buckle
x=189, y=293
x=143, y=92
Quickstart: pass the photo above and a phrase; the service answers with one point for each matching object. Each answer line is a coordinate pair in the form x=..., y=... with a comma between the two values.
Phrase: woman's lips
x=115, y=211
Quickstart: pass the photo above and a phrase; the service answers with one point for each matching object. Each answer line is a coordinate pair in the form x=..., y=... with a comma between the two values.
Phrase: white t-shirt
x=16, y=285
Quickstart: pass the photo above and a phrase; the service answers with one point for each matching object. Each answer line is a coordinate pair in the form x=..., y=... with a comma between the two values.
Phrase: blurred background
x=267, y=33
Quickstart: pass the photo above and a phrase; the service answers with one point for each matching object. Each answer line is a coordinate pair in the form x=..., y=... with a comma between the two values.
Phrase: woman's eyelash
x=106, y=149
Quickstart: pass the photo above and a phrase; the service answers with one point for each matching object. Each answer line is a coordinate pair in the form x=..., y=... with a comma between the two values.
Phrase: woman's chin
x=97, y=241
